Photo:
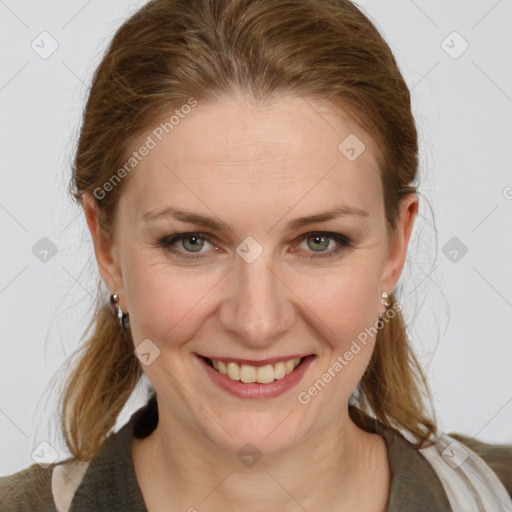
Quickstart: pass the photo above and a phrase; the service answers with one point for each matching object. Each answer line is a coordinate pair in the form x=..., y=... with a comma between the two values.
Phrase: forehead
x=233, y=149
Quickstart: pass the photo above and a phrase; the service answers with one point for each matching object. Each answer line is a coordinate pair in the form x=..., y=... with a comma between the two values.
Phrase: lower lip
x=255, y=389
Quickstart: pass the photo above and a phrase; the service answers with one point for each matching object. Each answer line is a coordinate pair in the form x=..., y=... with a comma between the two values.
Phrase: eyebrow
x=212, y=223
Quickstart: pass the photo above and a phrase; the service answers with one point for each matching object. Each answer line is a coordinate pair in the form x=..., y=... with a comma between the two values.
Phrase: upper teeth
x=261, y=374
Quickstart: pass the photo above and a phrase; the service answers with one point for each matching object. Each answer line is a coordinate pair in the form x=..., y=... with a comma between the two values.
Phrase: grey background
x=459, y=305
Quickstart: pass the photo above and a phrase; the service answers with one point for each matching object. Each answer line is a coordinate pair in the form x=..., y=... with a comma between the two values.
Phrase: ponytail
x=95, y=392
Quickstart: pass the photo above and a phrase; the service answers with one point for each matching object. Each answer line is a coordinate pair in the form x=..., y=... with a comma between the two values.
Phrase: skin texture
x=255, y=168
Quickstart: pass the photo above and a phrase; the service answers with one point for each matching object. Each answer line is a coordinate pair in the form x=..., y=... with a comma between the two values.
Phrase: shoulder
x=28, y=489
x=497, y=456
x=108, y=482
x=415, y=486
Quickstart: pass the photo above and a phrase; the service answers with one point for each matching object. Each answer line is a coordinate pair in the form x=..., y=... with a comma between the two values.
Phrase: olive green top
x=110, y=484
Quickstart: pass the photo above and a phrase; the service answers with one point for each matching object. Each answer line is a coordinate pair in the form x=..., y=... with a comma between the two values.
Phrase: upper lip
x=249, y=362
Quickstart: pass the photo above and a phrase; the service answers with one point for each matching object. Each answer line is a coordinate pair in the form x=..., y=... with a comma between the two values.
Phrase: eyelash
x=168, y=241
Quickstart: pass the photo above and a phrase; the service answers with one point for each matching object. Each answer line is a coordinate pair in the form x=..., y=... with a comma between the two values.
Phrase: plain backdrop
x=457, y=284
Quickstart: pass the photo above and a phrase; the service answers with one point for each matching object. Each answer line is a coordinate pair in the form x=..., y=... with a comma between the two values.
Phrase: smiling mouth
x=260, y=374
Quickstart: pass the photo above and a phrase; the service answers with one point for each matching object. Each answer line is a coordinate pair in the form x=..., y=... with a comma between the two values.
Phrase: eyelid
x=167, y=242
x=344, y=243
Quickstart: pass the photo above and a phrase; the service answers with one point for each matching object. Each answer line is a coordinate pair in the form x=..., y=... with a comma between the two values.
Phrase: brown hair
x=172, y=50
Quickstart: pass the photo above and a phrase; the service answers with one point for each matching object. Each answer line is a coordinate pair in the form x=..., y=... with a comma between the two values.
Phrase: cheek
x=347, y=310
x=346, y=300
x=170, y=303
x=166, y=302
x=346, y=306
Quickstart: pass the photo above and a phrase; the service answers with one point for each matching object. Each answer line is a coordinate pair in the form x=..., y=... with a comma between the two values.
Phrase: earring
x=122, y=318
x=386, y=302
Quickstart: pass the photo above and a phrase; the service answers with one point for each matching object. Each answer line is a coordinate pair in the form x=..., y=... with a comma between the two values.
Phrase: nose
x=259, y=308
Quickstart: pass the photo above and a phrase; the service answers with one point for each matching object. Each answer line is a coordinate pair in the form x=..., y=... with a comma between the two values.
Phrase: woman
x=247, y=172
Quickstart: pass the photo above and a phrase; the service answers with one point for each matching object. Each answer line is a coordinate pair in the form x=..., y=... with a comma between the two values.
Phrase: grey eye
x=319, y=242
x=196, y=244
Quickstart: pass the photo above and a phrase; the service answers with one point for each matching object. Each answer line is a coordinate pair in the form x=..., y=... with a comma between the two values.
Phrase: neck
x=177, y=465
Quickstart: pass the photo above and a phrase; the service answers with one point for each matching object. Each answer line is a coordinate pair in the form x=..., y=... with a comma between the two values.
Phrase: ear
x=398, y=242
x=104, y=248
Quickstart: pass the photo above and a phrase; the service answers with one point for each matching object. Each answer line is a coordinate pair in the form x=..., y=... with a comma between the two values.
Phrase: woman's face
x=253, y=282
